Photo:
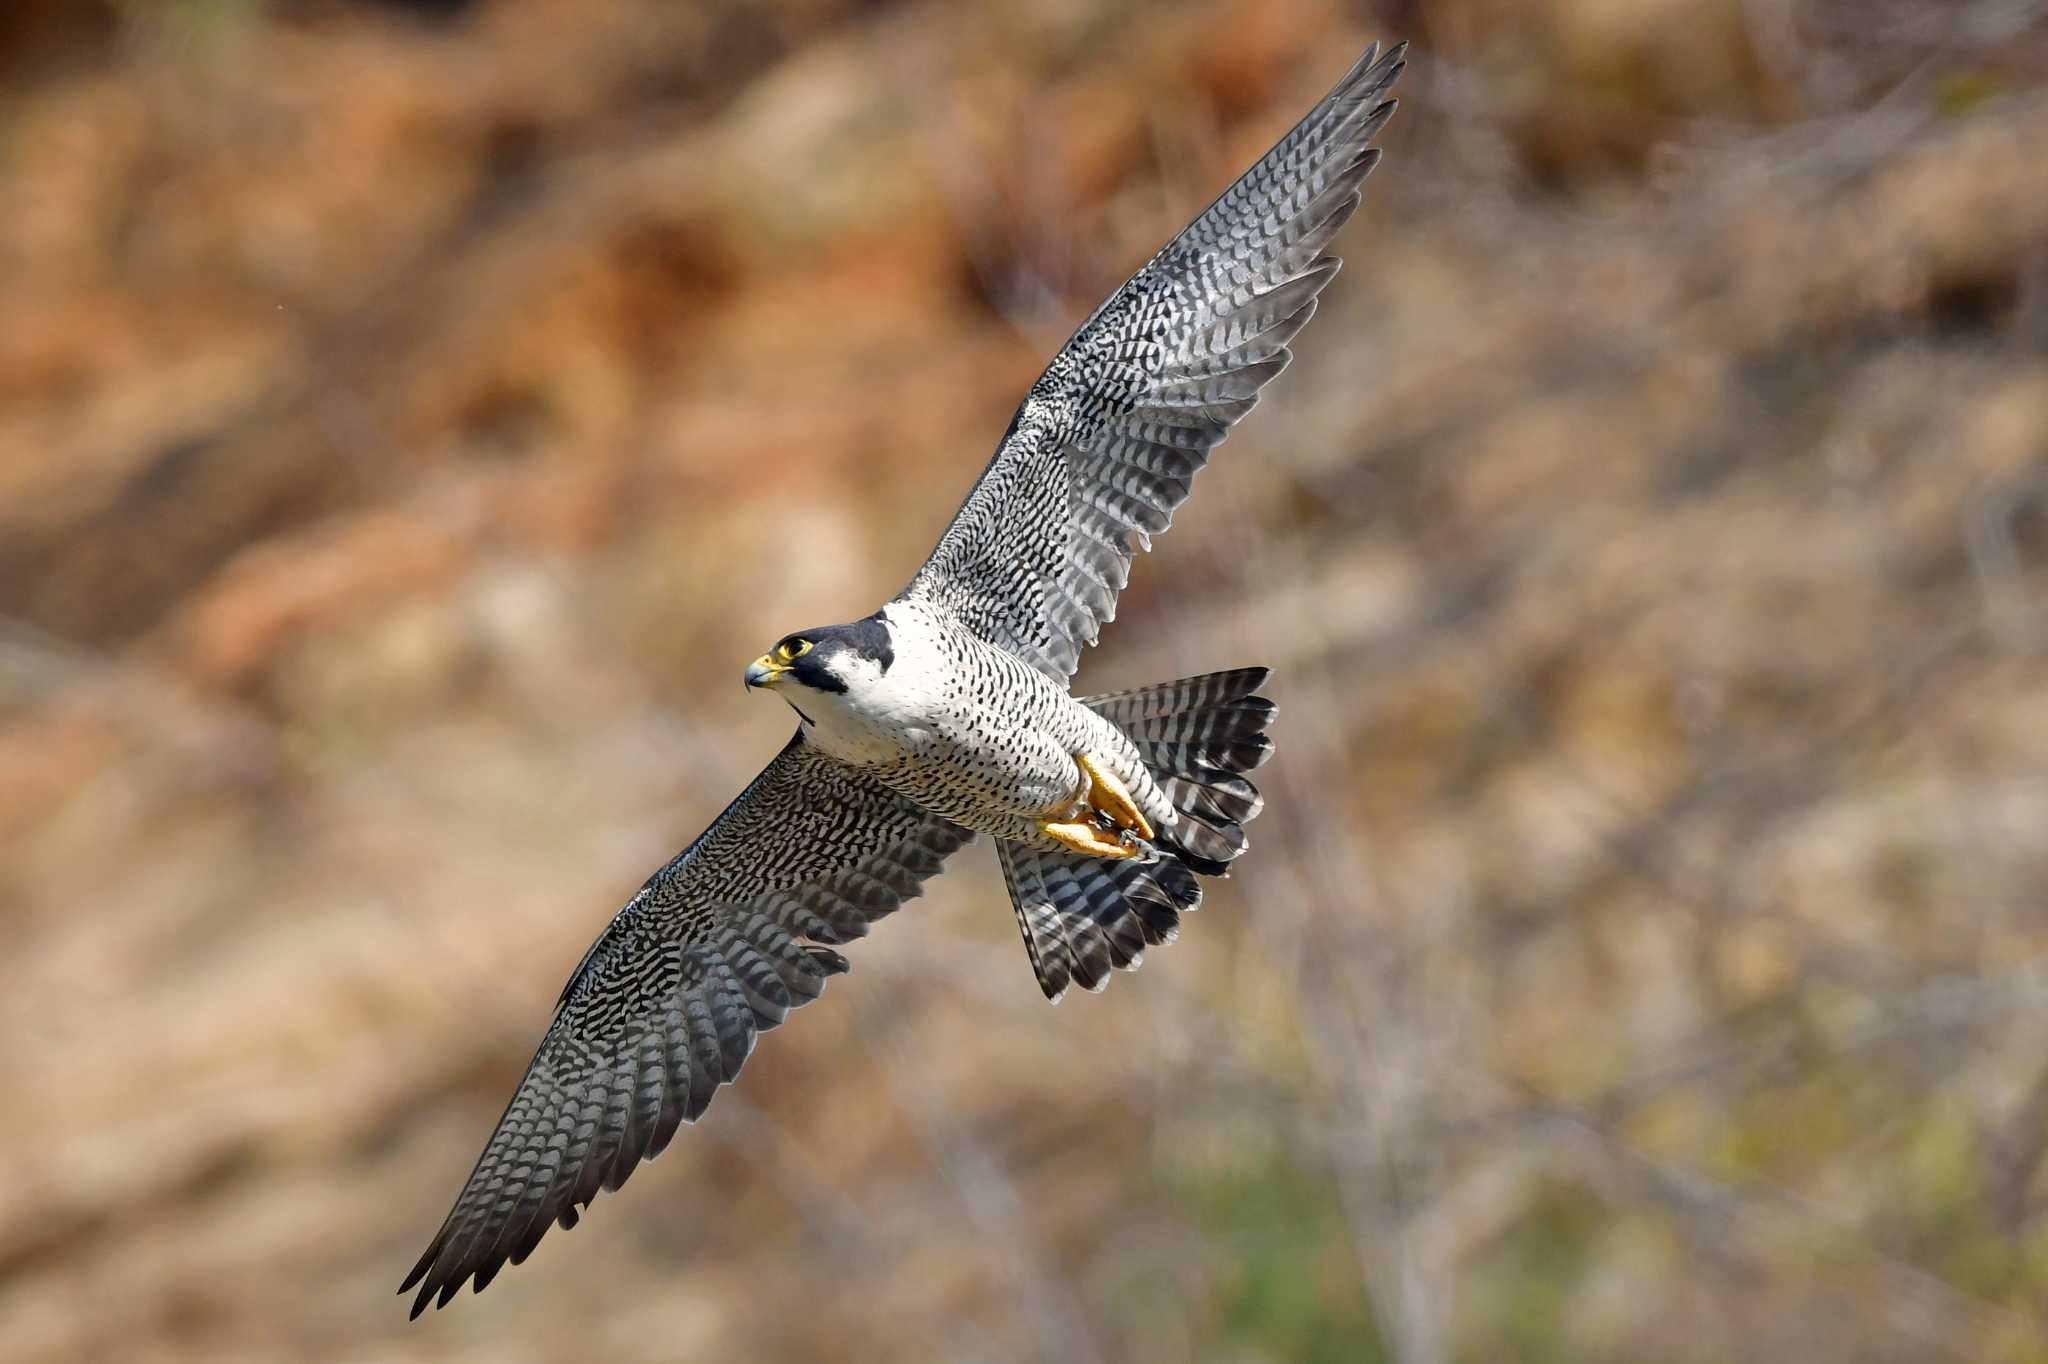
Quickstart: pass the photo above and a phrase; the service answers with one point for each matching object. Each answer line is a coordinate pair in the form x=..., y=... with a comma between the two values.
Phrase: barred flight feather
x=1168, y=363
x=667, y=1004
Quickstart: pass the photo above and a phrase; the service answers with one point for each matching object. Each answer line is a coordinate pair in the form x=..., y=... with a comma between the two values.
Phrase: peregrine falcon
x=947, y=714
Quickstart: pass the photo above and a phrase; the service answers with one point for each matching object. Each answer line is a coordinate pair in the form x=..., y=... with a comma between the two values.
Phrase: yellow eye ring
x=791, y=650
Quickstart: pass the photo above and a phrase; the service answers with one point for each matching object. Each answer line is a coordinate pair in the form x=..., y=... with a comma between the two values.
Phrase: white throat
x=881, y=716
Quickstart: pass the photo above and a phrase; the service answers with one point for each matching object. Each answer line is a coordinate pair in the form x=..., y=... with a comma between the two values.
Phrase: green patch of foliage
x=1290, y=1285
x=1521, y=1293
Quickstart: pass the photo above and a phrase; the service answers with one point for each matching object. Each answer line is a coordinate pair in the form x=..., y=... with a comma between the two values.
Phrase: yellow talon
x=1107, y=795
x=1088, y=838
x=1114, y=826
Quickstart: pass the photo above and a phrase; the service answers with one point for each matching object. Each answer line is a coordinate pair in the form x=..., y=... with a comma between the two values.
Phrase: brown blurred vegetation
x=413, y=416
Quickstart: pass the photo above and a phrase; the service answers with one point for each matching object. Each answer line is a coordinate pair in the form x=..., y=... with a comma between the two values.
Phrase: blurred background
x=413, y=417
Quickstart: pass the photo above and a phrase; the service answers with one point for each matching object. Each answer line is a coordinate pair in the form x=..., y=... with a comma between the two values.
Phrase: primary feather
x=665, y=1007
x=1107, y=444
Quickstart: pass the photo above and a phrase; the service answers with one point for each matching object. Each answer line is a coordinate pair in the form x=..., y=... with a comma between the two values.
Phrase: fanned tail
x=1083, y=917
x=1200, y=736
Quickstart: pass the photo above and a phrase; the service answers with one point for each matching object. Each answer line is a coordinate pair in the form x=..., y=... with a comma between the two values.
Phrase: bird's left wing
x=716, y=948
x=1108, y=442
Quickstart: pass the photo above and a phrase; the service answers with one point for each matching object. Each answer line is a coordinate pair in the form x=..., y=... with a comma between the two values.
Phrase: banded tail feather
x=1083, y=917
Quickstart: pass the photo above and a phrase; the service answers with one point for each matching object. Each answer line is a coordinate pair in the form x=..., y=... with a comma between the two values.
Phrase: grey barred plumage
x=1107, y=444
x=947, y=713
x=1081, y=915
x=717, y=947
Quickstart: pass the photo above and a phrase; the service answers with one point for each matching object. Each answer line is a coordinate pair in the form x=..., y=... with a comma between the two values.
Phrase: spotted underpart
x=948, y=712
x=964, y=729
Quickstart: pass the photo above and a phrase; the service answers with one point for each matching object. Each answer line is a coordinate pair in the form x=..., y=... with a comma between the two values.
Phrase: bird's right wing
x=1107, y=444
x=716, y=948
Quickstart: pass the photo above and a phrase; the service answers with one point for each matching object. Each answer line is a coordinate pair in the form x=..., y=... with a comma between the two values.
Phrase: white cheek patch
x=862, y=676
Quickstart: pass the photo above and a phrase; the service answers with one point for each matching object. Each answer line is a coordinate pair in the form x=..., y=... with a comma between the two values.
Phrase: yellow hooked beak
x=765, y=671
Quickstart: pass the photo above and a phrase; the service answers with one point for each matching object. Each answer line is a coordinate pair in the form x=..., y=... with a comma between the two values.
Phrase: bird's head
x=838, y=661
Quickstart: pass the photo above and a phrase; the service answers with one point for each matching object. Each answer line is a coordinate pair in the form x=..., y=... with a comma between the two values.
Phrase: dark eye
x=793, y=649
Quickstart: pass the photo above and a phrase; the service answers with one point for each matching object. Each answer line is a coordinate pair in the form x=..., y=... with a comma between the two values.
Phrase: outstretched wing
x=716, y=948
x=1111, y=436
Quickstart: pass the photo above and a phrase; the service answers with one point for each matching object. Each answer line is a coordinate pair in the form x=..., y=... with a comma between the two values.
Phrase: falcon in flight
x=946, y=714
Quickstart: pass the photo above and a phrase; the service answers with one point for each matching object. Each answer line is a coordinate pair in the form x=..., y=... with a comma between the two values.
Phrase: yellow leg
x=1107, y=794
x=1084, y=836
